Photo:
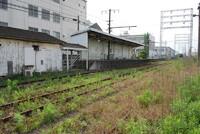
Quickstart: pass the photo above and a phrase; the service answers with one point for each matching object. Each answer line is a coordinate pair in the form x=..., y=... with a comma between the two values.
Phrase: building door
x=40, y=61
x=48, y=60
x=10, y=68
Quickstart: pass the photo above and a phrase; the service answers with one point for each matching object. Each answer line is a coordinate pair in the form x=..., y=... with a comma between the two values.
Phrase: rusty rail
x=71, y=75
x=27, y=112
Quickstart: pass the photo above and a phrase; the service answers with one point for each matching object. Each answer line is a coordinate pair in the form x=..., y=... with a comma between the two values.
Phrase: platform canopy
x=103, y=36
x=72, y=46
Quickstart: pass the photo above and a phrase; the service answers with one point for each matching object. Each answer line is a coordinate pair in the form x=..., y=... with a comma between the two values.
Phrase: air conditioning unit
x=28, y=70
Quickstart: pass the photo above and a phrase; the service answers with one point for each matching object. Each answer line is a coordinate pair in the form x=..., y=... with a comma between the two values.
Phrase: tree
x=142, y=54
x=146, y=43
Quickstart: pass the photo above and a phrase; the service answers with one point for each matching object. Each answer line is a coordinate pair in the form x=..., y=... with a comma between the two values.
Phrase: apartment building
x=164, y=52
x=147, y=39
x=59, y=18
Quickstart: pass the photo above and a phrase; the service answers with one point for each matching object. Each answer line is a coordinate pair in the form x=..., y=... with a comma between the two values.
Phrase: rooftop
x=106, y=36
x=26, y=35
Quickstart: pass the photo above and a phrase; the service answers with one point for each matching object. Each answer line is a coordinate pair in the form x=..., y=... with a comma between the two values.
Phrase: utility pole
x=109, y=27
x=109, y=31
x=199, y=35
x=78, y=23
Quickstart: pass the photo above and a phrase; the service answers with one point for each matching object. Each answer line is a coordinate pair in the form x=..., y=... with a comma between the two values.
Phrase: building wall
x=141, y=39
x=81, y=39
x=16, y=15
x=21, y=53
x=166, y=52
x=99, y=50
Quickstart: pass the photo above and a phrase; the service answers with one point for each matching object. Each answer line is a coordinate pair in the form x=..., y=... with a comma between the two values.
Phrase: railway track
x=67, y=99
x=21, y=84
x=74, y=113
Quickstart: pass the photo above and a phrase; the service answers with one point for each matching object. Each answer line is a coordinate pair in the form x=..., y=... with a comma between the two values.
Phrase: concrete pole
x=67, y=61
x=87, y=60
x=109, y=31
x=199, y=35
x=71, y=58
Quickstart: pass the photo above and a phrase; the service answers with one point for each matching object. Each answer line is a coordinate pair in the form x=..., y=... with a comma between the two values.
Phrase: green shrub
x=134, y=127
x=186, y=109
x=1, y=113
x=147, y=98
x=11, y=85
x=195, y=130
x=2, y=101
x=190, y=89
x=19, y=119
x=49, y=113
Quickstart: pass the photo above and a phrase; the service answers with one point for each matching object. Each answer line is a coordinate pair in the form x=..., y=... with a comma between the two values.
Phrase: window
x=45, y=14
x=57, y=1
x=4, y=4
x=32, y=11
x=4, y=24
x=45, y=31
x=56, y=17
x=56, y=34
x=33, y=29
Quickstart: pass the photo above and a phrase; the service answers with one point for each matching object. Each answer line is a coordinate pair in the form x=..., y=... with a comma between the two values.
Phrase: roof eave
x=30, y=40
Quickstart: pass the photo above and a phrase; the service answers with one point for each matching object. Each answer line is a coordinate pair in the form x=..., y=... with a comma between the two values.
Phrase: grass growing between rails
x=158, y=102
x=36, y=76
x=13, y=93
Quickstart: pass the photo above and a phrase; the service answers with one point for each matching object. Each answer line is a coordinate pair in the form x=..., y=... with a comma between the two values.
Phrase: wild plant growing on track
x=147, y=98
x=19, y=119
x=49, y=113
x=1, y=113
x=140, y=126
x=11, y=86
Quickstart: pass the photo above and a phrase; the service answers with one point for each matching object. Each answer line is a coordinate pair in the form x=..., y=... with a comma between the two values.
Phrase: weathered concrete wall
x=14, y=50
x=99, y=50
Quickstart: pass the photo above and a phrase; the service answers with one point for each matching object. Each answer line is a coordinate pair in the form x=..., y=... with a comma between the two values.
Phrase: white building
x=24, y=50
x=164, y=52
x=142, y=39
x=97, y=43
x=55, y=17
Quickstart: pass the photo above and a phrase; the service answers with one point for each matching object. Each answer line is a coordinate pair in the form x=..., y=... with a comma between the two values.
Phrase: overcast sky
x=145, y=14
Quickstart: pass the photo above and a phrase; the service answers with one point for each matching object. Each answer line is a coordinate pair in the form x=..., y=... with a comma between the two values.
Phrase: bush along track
x=19, y=120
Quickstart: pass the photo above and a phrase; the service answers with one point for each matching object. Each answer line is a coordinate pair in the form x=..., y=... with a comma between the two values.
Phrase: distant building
x=147, y=39
x=58, y=18
x=164, y=52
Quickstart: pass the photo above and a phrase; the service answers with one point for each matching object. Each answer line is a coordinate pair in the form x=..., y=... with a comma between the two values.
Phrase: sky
x=145, y=14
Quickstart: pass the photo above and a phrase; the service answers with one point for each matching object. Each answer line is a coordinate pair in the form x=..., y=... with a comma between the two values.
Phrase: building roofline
x=106, y=34
x=31, y=40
